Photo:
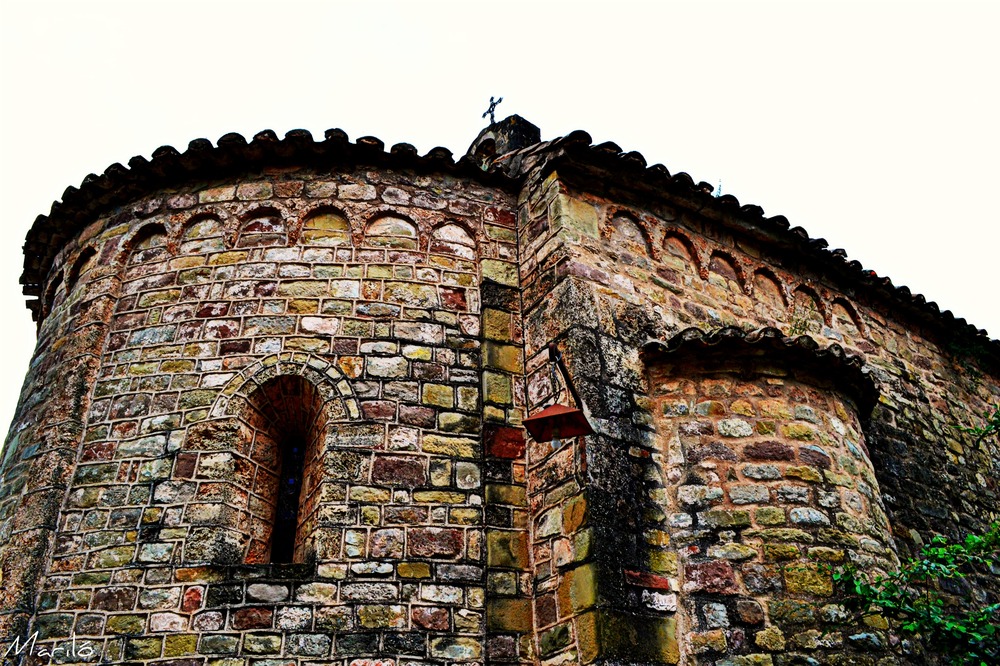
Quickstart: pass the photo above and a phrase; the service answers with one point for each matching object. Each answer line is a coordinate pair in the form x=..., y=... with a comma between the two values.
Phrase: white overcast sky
x=871, y=124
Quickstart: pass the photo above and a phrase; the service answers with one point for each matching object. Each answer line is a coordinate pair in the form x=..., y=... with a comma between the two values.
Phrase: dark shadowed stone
x=813, y=455
x=430, y=617
x=499, y=297
x=252, y=618
x=435, y=542
x=711, y=451
x=769, y=450
x=554, y=639
x=55, y=625
x=501, y=647
x=355, y=644
x=750, y=611
x=114, y=598
x=411, y=644
x=399, y=471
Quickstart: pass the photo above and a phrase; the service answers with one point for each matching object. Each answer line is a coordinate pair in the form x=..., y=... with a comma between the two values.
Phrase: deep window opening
x=287, y=422
x=286, y=518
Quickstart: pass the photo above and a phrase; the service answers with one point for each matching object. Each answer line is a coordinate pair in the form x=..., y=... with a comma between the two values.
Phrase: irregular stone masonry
x=364, y=334
x=766, y=483
x=378, y=322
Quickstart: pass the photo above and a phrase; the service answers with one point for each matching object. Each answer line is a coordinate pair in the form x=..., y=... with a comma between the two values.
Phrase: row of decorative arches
x=268, y=226
x=324, y=226
x=636, y=233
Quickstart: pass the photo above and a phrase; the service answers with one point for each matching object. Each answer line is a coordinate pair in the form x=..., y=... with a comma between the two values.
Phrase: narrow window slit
x=286, y=519
x=286, y=420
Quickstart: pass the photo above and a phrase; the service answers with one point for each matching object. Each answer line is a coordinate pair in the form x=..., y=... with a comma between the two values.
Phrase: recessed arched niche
x=81, y=267
x=845, y=318
x=723, y=266
x=55, y=295
x=271, y=492
x=806, y=313
x=453, y=239
x=264, y=227
x=326, y=227
x=148, y=246
x=485, y=152
x=769, y=301
x=391, y=231
x=285, y=416
x=679, y=259
x=203, y=234
x=626, y=235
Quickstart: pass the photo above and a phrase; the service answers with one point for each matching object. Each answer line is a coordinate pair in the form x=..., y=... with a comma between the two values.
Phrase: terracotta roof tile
x=232, y=153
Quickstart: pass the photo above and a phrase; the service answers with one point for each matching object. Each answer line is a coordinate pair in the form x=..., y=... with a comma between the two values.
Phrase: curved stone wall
x=344, y=307
x=605, y=270
x=767, y=485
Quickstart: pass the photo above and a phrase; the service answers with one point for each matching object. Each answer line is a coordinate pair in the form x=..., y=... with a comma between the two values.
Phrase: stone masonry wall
x=387, y=329
x=767, y=482
x=605, y=272
x=193, y=313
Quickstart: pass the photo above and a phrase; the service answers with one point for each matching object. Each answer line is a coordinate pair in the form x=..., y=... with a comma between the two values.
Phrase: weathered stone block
x=435, y=542
x=392, y=616
x=715, y=577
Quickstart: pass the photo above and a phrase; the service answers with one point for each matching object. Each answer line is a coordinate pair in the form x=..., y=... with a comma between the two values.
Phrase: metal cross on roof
x=493, y=106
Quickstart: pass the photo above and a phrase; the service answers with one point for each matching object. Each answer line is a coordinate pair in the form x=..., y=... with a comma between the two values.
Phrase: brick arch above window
x=325, y=375
x=265, y=451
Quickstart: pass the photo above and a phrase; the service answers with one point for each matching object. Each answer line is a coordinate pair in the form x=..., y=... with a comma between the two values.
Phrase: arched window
x=272, y=492
x=286, y=514
x=285, y=415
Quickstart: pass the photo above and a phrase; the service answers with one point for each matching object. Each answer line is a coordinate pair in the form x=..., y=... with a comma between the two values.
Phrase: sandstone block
x=770, y=639
x=392, y=616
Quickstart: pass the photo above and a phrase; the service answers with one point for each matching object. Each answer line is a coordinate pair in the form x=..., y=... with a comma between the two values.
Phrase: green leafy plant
x=961, y=633
x=990, y=426
x=801, y=320
x=912, y=598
